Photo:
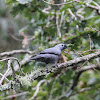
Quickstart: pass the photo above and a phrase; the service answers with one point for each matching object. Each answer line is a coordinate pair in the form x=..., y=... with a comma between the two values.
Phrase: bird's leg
x=46, y=66
x=56, y=64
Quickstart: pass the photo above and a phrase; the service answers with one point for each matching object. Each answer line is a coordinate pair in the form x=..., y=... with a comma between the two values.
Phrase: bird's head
x=61, y=46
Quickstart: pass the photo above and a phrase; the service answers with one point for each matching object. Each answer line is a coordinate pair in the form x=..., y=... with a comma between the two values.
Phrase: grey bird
x=50, y=55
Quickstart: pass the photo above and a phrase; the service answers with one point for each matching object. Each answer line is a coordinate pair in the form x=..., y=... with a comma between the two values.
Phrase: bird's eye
x=62, y=45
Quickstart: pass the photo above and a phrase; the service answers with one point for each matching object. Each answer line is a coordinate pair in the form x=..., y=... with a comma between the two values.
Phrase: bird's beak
x=65, y=46
x=69, y=45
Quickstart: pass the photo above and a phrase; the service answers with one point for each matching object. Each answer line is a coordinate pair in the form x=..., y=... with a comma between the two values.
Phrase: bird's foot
x=56, y=65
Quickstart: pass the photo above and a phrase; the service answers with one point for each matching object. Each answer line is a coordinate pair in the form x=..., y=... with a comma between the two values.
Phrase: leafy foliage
x=76, y=23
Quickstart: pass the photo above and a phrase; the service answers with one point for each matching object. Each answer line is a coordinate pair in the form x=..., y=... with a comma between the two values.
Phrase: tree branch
x=75, y=82
x=44, y=71
x=10, y=53
x=14, y=95
x=61, y=3
x=62, y=65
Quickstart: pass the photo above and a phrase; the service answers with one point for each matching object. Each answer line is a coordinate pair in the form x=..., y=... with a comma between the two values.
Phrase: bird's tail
x=31, y=59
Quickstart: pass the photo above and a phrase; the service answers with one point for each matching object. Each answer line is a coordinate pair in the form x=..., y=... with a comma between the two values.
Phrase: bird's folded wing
x=54, y=51
x=41, y=57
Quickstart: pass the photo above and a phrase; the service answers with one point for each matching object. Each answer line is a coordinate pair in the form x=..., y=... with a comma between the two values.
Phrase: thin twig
x=69, y=91
x=91, y=6
x=96, y=4
x=81, y=52
x=50, y=96
x=93, y=68
x=9, y=64
x=89, y=40
x=29, y=39
x=85, y=68
x=5, y=77
x=81, y=65
x=15, y=95
x=73, y=16
x=57, y=23
x=14, y=59
x=13, y=71
x=61, y=3
x=88, y=63
x=62, y=18
x=37, y=89
x=24, y=61
x=81, y=91
x=15, y=52
x=46, y=10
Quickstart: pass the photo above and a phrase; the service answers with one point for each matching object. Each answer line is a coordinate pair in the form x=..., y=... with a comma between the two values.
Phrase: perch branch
x=62, y=65
x=42, y=72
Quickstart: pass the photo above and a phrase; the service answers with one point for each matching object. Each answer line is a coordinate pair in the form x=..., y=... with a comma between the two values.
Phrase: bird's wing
x=53, y=50
x=41, y=57
x=38, y=57
x=47, y=58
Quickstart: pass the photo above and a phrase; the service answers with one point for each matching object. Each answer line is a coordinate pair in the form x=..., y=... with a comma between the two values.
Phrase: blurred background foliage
x=36, y=25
